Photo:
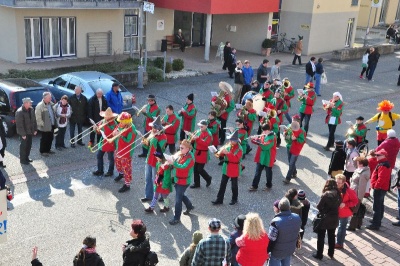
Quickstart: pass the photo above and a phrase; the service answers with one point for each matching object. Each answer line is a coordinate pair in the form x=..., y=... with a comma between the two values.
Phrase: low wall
x=357, y=53
x=129, y=78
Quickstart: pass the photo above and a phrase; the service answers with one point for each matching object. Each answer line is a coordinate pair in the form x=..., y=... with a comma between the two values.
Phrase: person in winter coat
x=295, y=205
x=373, y=59
x=239, y=81
x=3, y=141
x=328, y=206
x=297, y=51
x=305, y=209
x=78, y=103
x=63, y=113
x=227, y=52
x=238, y=224
x=96, y=104
x=310, y=70
x=364, y=64
x=253, y=243
x=46, y=123
x=380, y=183
x=319, y=69
x=136, y=250
x=114, y=99
x=187, y=255
x=338, y=159
x=88, y=255
x=358, y=182
x=349, y=200
x=231, y=62
x=392, y=146
x=351, y=153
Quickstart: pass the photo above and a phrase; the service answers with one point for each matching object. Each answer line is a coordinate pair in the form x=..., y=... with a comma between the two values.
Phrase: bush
x=177, y=64
x=168, y=67
x=154, y=74
x=267, y=43
x=159, y=62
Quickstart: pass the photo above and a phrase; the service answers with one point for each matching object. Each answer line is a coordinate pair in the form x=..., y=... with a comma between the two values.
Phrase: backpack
x=390, y=116
x=151, y=259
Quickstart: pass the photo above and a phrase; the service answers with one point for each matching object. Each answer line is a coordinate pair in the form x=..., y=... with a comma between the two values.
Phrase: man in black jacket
x=227, y=52
x=96, y=104
x=78, y=103
x=25, y=122
x=3, y=140
x=310, y=70
x=373, y=59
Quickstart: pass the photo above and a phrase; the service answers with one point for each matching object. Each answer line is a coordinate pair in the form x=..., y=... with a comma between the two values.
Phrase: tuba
x=220, y=103
x=286, y=83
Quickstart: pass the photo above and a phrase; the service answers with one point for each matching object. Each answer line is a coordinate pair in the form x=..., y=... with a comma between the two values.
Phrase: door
x=349, y=32
x=183, y=21
x=198, y=29
x=32, y=38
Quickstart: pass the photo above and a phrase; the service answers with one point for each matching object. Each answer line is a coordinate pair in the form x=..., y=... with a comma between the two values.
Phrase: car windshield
x=35, y=95
x=105, y=85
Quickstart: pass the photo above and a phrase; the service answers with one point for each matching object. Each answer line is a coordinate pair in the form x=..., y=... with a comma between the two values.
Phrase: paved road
x=58, y=202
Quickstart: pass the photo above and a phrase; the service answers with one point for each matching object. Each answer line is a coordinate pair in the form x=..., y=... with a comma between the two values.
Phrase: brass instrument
x=118, y=135
x=286, y=83
x=220, y=103
x=146, y=140
x=288, y=133
x=255, y=136
x=140, y=110
x=243, y=113
x=192, y=135
x=329, y=105
x=218, y=153
x=350, y=131
x=87, y=131
x=162, y=121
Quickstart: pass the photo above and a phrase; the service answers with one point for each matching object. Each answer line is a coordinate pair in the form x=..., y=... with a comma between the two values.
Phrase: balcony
x=72, y=4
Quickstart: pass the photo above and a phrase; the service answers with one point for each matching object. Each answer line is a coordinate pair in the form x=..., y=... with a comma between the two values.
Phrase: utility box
x=163, y=45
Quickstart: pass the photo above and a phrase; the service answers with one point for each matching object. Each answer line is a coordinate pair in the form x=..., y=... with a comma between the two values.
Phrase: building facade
x=388, y=13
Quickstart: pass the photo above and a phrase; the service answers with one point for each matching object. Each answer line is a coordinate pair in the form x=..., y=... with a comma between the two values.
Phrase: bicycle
x=285, y=43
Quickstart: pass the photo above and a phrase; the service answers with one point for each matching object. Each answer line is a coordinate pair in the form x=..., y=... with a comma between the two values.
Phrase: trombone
x=139, y=111
x=93, y=127
x=99, y=146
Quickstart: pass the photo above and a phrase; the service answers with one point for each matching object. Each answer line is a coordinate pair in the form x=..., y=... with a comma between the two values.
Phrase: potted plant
x=266, y=46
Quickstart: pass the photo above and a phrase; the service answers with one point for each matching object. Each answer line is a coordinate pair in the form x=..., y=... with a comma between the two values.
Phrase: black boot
x=119, y=177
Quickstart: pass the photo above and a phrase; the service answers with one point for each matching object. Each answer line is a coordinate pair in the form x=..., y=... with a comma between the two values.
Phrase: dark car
x=90, y=81
x=12, y=91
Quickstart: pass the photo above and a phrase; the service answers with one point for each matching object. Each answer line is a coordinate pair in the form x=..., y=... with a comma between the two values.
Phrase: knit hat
x=190, y=97
x=339, y=143
x=296, y=117
x=151, y=97
x=301, y=195
x=391, y=133
x=196, y=237
x=214, y=224
x=239, y=221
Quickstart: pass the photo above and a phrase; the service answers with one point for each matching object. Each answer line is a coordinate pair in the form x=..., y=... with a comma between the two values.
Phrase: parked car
x=12, y=91
x=90, y=81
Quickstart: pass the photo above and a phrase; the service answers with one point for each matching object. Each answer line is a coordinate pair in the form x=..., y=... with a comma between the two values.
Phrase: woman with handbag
x=328, y=207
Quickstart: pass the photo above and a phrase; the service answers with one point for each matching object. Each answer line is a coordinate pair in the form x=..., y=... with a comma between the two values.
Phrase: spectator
x=187, y=256
x=35, y=261
x=248, y=74
x=46, y=123
x=88, y=255
x=310, y=70
x=78, y=103
x=364, y=64
x=4, y=142
x=305, y=209
x=238, y=225
x=179, y=39
x=227, y=52
x=275, y=70
x=328, y=207
x=253, y=243
x=390, y=33
x=392, y=146
x=349, y=200
x=319, y=69
x=338, y=159
x=380, y=183
x=283, y=233
x=96, y=104
x=63, y=113
x=136, y=250
x=114, y=99
x=297, y=51
x=358, y=182
x=239, y=81
x=262, y=72
x=397, y=186
x=351, y=153
x=373, y=59
x=295, y=205
x=231, y=63
x=255, y=86
x=214, y=249
x=25, y=123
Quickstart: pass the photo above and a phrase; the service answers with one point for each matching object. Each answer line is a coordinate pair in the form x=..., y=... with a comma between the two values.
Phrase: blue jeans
x=288, y=117
x=371, y=68
x=279, y=261
x=150, y=173
x=306, y=119
x=341, y=233
x=268, y=175
x=100, y=161
x=179, y=198
x=317, y=83
x=72, y=131
x=378, y=207
x=308, y=79
x=292, y=165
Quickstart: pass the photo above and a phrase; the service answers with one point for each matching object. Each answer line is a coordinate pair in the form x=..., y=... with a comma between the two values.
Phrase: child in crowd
x=305, y=209
x=187, y=255
x=238, y=225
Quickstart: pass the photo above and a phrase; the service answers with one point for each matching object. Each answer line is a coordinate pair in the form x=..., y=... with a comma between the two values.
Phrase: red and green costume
x=242, y=134
x=172, y=130
x=189, y=117
x=152, y=111
x=335, y=111
x=163, y=180
x=183, y=169
x=160, y=139
x=124, y=152
x=249, y=119
x=231, y=167
x=295, y=146
x=213, y=127
x=200, y=147
x=266, y=150
x=307, y=102
x=359, y=133
x=289, y=94
x=104, y=145
x=230, y=105
x=278, y=104
x=272, y=121
x=268, y=94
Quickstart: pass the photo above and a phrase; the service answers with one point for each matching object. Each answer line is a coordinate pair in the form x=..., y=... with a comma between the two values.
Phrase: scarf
x=64, y=109
x=90, y=250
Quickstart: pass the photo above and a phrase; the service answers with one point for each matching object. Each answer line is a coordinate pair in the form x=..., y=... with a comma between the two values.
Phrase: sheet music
x=168, y=157
x=214, y=93
x=212, y=149
x=300, y=91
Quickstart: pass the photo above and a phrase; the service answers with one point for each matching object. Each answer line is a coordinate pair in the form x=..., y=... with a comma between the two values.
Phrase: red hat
x=381, y=152
x=309, y=85
x=124, y=117
x=296, y=117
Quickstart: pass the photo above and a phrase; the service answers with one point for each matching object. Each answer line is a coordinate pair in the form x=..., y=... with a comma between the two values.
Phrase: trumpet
x=176, y=156
x=243, y=113
x=87, y=131
x=329, y=105
x=140, y=110
x=218, y=153
x=192, y=135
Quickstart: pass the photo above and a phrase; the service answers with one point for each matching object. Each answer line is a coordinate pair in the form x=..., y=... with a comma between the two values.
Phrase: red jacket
x=153, y=110
x=392, y=147
x=158, y=140
x=188, y=119
x=231, y=166
x=380, y=178
x=201, y=146
x=215, y=136
x=171, y=131
x=298, y=143
x=288, y=96
x=126, y=139
x=108, y=130
x=252, y=252
x=350, y=199
x=182, y=169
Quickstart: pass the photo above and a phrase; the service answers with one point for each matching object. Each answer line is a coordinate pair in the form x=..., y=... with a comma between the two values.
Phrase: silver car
x=90, y=81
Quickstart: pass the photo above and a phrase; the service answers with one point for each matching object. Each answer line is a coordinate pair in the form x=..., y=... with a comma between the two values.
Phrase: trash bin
x=163, y=45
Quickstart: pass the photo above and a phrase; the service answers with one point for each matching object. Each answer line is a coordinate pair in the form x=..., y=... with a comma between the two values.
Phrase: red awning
x=220, y=6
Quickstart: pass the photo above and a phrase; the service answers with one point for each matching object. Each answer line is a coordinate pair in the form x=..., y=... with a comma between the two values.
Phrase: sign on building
x=376, y=3
x=148, y=7
x=3, y=216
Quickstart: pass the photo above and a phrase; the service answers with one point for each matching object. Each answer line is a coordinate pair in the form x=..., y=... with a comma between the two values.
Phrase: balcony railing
x=81, y=4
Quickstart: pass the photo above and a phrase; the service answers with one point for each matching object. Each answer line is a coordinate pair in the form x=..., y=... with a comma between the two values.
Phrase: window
x=60, y=81
x=130, y=25
x=4, y=104
x=73, y=83
x=398, y=12
x=354, y=2
x=32, y=37
x=384, y=8
x=68, y=36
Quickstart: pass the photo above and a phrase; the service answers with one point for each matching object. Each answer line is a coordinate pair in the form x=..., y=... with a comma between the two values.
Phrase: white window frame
x=50, y=37
x=32, y=31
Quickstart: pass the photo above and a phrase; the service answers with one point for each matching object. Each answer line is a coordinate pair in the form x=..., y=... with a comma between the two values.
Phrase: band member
x=162, y=182
x=307, y=100
x=156, y=137
x=287, y=96
x=385, y=120
x=243, y=136
x=248, y=115
x=172, y=131
x=334, y=112
x=107, y=126
x=265, y=157
x=126, y=132
x=188, y=114
x=182, y=172
x=230, y=105
x=280, y=107
x=266, y=91
x=152, y=111
x=295, y=138
x=202, y=139
x=358, y=131
x=271, y=118
x=232, y=154
x=214, y=127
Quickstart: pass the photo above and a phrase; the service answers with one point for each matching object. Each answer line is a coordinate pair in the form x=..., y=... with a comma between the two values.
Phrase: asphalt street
x=58, y=201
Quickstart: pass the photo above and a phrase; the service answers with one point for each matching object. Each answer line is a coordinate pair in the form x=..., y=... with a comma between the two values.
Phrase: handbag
x=324, y=79
x=317, y=221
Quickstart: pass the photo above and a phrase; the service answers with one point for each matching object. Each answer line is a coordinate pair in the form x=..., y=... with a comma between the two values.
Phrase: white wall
x=251, y=30
x=155, y=36
x=8, y=39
